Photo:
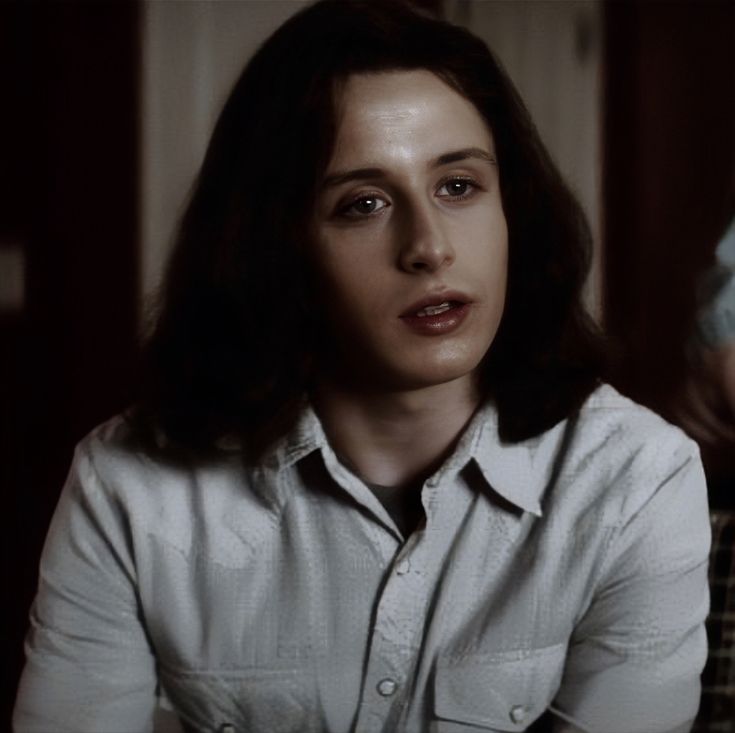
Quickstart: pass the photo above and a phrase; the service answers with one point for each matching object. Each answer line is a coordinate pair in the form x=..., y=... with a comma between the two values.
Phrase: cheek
x=488, y=255
x=349, y=286
x=351, y=270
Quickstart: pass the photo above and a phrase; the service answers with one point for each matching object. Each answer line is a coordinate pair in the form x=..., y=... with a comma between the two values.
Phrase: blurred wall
x=191, y=55
x=68, y=264
x=669, y=189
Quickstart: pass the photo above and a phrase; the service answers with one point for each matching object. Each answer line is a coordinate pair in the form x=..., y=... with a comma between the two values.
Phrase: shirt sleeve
x=89, y=665
x=636, y=656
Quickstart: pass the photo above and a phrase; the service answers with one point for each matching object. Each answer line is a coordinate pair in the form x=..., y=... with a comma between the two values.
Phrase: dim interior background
x=107, y=108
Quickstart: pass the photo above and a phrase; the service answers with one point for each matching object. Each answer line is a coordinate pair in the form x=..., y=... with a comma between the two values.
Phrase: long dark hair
x=230, y=354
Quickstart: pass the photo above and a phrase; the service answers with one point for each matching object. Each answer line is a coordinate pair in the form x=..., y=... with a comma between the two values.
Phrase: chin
x=431, y=374
x=410, y=366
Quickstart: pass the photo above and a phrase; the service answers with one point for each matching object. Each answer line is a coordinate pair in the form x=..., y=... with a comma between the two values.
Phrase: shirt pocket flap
x=273, y=700
x=503, y=691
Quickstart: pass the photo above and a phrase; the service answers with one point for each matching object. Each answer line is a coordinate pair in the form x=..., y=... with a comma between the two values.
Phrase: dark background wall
x=669, y=189
x=68, y=201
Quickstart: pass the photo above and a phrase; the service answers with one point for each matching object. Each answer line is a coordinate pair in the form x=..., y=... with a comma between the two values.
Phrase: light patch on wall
x=12, y=278
x=552, y=50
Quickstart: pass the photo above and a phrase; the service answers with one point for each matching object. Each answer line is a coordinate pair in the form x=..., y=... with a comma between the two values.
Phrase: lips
x=435, y=304
x=438, y=314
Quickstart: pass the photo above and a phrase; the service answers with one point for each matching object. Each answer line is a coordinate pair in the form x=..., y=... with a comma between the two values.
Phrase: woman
x=373, y=482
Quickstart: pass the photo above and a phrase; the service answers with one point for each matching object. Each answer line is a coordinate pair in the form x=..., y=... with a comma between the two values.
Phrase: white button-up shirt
x=566, y=572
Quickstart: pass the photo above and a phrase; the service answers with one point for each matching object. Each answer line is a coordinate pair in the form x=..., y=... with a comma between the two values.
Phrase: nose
x=424, y=240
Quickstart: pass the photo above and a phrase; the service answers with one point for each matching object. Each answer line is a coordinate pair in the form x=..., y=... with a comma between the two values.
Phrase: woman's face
x=411, y=240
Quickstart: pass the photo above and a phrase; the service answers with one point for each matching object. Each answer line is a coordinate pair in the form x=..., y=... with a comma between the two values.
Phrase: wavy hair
x=231, y=350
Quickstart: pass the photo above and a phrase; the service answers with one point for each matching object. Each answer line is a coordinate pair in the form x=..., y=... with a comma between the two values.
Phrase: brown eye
x=457, y=188
x=363, y=206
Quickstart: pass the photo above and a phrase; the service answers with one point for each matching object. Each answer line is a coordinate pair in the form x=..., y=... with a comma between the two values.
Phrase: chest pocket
x=277, y=701
x=503, y=691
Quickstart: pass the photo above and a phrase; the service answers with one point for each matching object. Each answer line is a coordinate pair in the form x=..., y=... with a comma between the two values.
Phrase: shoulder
x=172, y=502
x=109, y=460
x=620, y=454
x=110, y=440
x=626, y=429
x=113, y=453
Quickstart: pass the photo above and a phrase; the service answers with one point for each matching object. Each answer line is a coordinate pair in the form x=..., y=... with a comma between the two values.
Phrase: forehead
x=405, y=113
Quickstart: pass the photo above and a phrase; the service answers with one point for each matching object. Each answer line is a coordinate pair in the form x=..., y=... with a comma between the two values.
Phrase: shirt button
x=227, y=728
x=403, y=567
x=387, y=687
x=518, y=713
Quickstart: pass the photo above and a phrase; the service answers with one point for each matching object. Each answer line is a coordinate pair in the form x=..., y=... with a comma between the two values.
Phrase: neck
x=395, y=438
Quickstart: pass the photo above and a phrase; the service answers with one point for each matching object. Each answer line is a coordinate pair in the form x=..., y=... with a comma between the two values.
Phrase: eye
x=456, y=189
x=362, y=206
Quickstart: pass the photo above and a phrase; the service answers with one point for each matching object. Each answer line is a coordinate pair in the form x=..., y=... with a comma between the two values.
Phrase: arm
x=637, y=653
x=89, y=665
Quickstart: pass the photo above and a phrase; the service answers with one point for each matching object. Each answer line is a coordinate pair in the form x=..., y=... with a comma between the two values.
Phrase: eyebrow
x=361, y=174
x=464, y=154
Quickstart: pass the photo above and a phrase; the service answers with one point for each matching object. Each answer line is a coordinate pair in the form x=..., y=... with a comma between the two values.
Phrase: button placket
x=401, y=614
x=398, y=621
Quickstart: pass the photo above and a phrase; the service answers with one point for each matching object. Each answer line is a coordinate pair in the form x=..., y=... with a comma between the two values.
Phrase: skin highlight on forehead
x=339, y=177
x=398, y=122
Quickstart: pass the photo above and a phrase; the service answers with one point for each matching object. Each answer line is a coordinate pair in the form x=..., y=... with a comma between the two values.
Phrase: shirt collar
x=519, y=472
x=306, y=436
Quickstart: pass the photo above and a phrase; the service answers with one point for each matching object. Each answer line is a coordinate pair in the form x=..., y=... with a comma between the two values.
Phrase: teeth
x=433, y=310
